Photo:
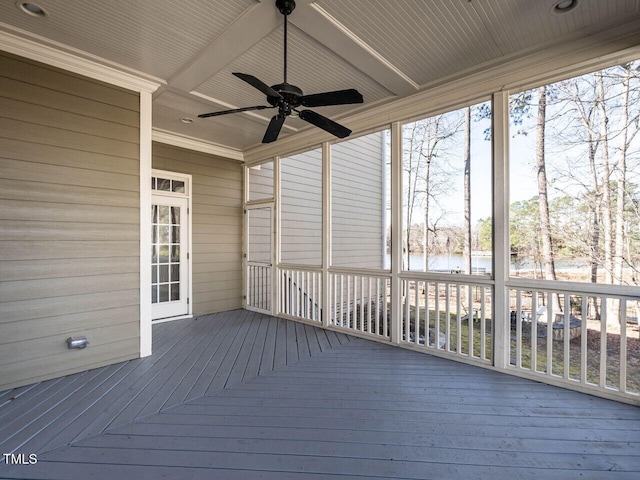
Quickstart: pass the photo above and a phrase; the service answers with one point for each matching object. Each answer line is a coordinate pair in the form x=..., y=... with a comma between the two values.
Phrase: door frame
x=158, y=194
x=269, y=204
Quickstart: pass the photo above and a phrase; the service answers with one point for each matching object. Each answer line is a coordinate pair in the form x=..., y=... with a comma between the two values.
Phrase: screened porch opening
x=502, y=233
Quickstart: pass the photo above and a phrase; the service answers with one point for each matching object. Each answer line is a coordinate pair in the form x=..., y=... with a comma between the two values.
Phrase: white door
x=169, y=257
x=259, y=258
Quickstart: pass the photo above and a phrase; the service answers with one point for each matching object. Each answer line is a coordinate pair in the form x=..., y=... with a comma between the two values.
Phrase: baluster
x=623, y=345
x=603, y=340
x=436, y=318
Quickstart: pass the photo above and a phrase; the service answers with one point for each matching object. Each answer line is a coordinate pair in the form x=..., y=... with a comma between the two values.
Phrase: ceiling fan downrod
x=286, y=98
x=285, y=7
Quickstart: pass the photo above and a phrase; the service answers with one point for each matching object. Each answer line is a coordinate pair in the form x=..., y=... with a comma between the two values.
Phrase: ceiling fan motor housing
x=285, y=6
x=291, y=97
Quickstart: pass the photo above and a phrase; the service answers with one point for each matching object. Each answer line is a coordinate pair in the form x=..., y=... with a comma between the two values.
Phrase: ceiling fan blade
x=259, y=84
x=324, y=123
x=273, y=130
x=235, y=110
x=339, y=97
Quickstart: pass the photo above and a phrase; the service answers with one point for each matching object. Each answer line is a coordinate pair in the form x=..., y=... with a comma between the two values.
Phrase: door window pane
x=177, y=186
x=163, y=184
x=163, y=293
x=175, y=292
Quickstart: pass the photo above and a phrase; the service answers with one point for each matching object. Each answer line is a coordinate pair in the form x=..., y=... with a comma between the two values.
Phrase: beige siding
x=69, y=222
x=357, y=169
x=261, y=182
x=217, y=225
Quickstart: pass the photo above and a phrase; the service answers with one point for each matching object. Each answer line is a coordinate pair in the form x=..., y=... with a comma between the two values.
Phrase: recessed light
x=32, y=9
x=564, y=6
x=186, y=120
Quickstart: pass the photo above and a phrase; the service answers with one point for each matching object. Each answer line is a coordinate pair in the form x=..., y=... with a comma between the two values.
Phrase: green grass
x=455, y=344
x=461, y=345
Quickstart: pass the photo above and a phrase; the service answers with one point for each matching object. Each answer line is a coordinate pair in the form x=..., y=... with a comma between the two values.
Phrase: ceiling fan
x=287, y=98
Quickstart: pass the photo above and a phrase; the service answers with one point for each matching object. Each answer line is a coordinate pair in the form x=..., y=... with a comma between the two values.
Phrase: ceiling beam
x=252, y=26
x=321, y=26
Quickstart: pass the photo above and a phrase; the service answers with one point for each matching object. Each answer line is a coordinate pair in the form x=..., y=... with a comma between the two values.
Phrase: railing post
x=501, y=320
x=396, y=231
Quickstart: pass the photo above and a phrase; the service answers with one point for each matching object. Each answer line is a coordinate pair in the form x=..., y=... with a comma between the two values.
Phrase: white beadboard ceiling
x=387, y=49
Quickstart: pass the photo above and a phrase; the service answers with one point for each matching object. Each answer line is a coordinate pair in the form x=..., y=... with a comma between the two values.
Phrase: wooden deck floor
x=241, y=395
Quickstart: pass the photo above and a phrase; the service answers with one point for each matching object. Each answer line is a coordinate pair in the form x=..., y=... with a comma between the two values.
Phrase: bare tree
x=629, y=124
x=467, y=191
x=426, y=170
x=543, y=200
x=605, y=203
x=413, y=139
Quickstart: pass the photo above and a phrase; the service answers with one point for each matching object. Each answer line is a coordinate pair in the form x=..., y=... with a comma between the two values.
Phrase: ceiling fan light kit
x=287, y=98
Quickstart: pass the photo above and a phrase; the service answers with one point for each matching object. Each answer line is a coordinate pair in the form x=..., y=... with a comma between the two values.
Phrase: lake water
x=447, y=263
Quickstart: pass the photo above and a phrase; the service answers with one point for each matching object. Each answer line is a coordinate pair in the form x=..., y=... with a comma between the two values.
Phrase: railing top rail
x=304, y=268
x=448, y=278
x=598, y=289
x=365, y=272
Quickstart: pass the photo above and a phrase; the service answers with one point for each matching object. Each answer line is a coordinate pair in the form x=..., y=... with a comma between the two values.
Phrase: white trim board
x=58, y=55
x=190, y=143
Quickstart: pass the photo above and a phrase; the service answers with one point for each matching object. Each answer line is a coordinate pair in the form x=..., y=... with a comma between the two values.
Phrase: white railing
x=577, y=337
x=259, y=286
x=448, y=317
x=300, y=293
x=571, y=335
x=360, y=303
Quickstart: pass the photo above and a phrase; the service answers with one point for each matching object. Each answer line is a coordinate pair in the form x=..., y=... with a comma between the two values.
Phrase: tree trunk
x=545, y=222
x=621, y=190
x=543, y=199
x=607, y=223
x=425, y=255
x=467, y=192
x=595, y=239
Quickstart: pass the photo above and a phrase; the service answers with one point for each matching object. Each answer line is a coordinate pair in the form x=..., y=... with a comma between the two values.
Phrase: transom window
x=172, y=185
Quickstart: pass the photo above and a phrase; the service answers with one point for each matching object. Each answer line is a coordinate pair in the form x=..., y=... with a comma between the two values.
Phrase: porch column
x=326, y=233
x=502, y=326
x=145, y=223
x=396, y=231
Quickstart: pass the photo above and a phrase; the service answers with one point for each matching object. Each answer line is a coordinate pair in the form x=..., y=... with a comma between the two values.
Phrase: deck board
x=191, y=357
x=243, y=395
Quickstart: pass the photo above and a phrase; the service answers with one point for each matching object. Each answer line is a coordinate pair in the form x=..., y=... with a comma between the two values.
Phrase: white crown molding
x=52, y=53
x=190, y=143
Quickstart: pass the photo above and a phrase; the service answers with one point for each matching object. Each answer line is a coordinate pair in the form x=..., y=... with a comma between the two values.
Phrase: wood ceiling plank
x=328, y=31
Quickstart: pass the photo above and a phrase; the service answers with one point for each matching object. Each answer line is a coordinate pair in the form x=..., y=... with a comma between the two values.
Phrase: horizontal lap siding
x=217, y=225
x=69, y=222
x=301, y=205
x=357, y=202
